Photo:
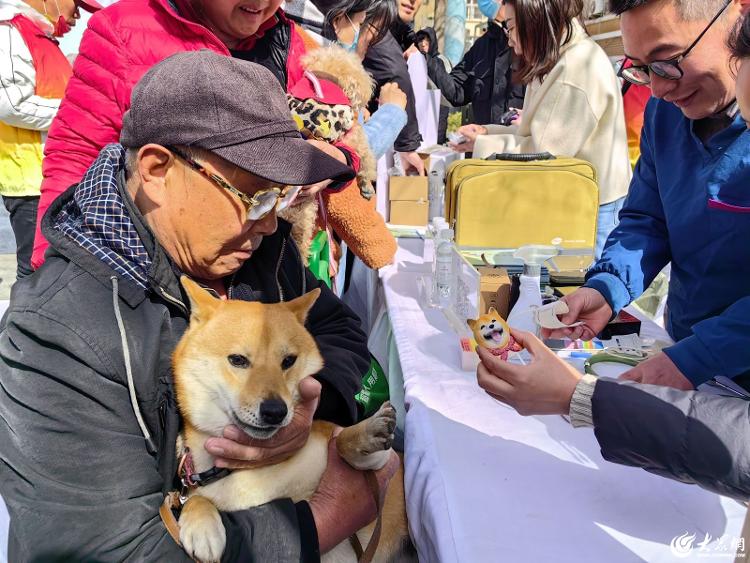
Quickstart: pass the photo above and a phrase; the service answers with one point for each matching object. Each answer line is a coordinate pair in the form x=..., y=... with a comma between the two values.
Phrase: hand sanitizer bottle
x=530, y=294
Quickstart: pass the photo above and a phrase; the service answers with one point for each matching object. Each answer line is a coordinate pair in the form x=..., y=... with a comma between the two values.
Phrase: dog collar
x=190, y=479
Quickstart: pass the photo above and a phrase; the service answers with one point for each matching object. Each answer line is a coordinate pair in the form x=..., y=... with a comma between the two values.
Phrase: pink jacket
x=121, y=43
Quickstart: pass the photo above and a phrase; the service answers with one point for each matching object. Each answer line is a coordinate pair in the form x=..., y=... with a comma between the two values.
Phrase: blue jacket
x=383, y=128
x=688, y=204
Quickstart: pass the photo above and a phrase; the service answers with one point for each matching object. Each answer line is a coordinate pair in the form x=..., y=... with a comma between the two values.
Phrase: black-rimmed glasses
x=669, y=69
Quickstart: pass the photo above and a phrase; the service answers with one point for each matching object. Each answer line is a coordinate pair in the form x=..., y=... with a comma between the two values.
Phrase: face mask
x=61, y=26
x=351, y=47
x=489, y=8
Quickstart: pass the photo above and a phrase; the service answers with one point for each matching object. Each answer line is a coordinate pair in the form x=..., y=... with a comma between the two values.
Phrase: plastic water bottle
x=428, y=250
x=444, y=269
x=436, y=194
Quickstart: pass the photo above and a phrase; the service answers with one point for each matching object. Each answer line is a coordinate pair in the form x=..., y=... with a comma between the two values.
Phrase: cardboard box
x=408, y=188
x=409, y=203
x=494, y=290
x=409, y=213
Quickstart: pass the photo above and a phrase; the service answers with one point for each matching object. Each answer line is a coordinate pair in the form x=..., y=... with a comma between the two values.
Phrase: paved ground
x=8, y=274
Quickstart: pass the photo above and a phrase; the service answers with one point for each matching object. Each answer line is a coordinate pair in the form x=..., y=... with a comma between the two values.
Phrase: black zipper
x=174, y=300
x=278, y=267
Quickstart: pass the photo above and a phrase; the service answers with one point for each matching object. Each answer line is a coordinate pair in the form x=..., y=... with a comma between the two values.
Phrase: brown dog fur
x=234, y=355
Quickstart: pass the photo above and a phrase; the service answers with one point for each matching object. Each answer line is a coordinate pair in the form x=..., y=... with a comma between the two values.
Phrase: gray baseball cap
x=233, y=108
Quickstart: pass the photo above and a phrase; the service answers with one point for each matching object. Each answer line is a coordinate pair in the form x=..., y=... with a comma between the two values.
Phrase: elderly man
x=89, y=423
x=688, y=202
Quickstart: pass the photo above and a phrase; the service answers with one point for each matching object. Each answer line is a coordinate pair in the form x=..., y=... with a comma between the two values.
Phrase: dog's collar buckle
x=190, y=479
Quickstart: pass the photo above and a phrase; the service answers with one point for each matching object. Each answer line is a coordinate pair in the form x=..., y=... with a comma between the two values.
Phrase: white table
x=485, y=484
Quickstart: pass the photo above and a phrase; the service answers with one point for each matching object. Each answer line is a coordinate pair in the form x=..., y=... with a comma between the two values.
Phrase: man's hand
x=545, y=386
x=343, y=502
x=471, y=132
x=390, y=93
x=313, y=189
x=588, y=306
x=412, y=163
x=237, y=450
x=659, y=370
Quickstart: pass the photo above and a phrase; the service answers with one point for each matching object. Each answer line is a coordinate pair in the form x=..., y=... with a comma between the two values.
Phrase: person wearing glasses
x=688, y=435
x=127, y=38
x=89, y=424
x=573, y=104
x=688, y=203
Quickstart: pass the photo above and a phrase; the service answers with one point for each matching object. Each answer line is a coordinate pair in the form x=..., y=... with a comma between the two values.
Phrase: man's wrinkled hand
x=545, y=386
x=237, y=450
x=343, y=502
x=659, y=370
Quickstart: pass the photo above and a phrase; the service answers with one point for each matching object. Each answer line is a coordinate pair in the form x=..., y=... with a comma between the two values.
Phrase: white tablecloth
x=485, y=484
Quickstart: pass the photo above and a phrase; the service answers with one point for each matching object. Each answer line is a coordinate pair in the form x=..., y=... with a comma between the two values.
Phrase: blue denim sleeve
x=638, y=247
x=383, y=128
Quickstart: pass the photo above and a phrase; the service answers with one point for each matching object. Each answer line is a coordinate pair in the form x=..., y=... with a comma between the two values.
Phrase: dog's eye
x=238, y=360
x=288, y=362
x=482, y=327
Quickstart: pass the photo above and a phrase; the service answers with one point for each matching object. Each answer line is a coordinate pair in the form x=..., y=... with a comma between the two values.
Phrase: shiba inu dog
x=240, y=363
x=492, y=332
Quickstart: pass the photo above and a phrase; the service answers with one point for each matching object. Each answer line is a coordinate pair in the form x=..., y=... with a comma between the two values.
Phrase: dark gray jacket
x=385, y=63
x=482, y=78
x=75, y=471
x=690, y=436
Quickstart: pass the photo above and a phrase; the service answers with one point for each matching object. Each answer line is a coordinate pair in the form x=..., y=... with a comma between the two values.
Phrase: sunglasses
x=640, y=75
x=260, y=204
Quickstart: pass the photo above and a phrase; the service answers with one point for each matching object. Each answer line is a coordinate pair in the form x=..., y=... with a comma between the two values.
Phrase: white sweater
x=577, y=111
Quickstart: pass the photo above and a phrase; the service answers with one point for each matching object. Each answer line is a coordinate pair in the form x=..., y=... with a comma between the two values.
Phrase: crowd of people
x=187, y=139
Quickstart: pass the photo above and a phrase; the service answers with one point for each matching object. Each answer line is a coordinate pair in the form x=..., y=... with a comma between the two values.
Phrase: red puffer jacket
x=121, y=43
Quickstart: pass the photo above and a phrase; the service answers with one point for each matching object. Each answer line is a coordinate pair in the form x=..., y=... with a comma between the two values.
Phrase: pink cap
x=321, y=90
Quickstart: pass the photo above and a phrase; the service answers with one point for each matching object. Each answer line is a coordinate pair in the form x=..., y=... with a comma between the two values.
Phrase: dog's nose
x=272, y=411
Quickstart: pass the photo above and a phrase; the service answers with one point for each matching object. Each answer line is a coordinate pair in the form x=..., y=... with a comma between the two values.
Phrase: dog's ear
x=493, y=312
x=472, y=323
x=302, y=305
x=202, y=303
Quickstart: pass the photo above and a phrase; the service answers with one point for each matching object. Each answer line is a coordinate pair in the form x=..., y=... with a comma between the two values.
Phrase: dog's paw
x=202, y=532
x=380, y=430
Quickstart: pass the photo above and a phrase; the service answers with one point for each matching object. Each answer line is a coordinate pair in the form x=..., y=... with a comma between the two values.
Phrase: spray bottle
x=530, y=296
